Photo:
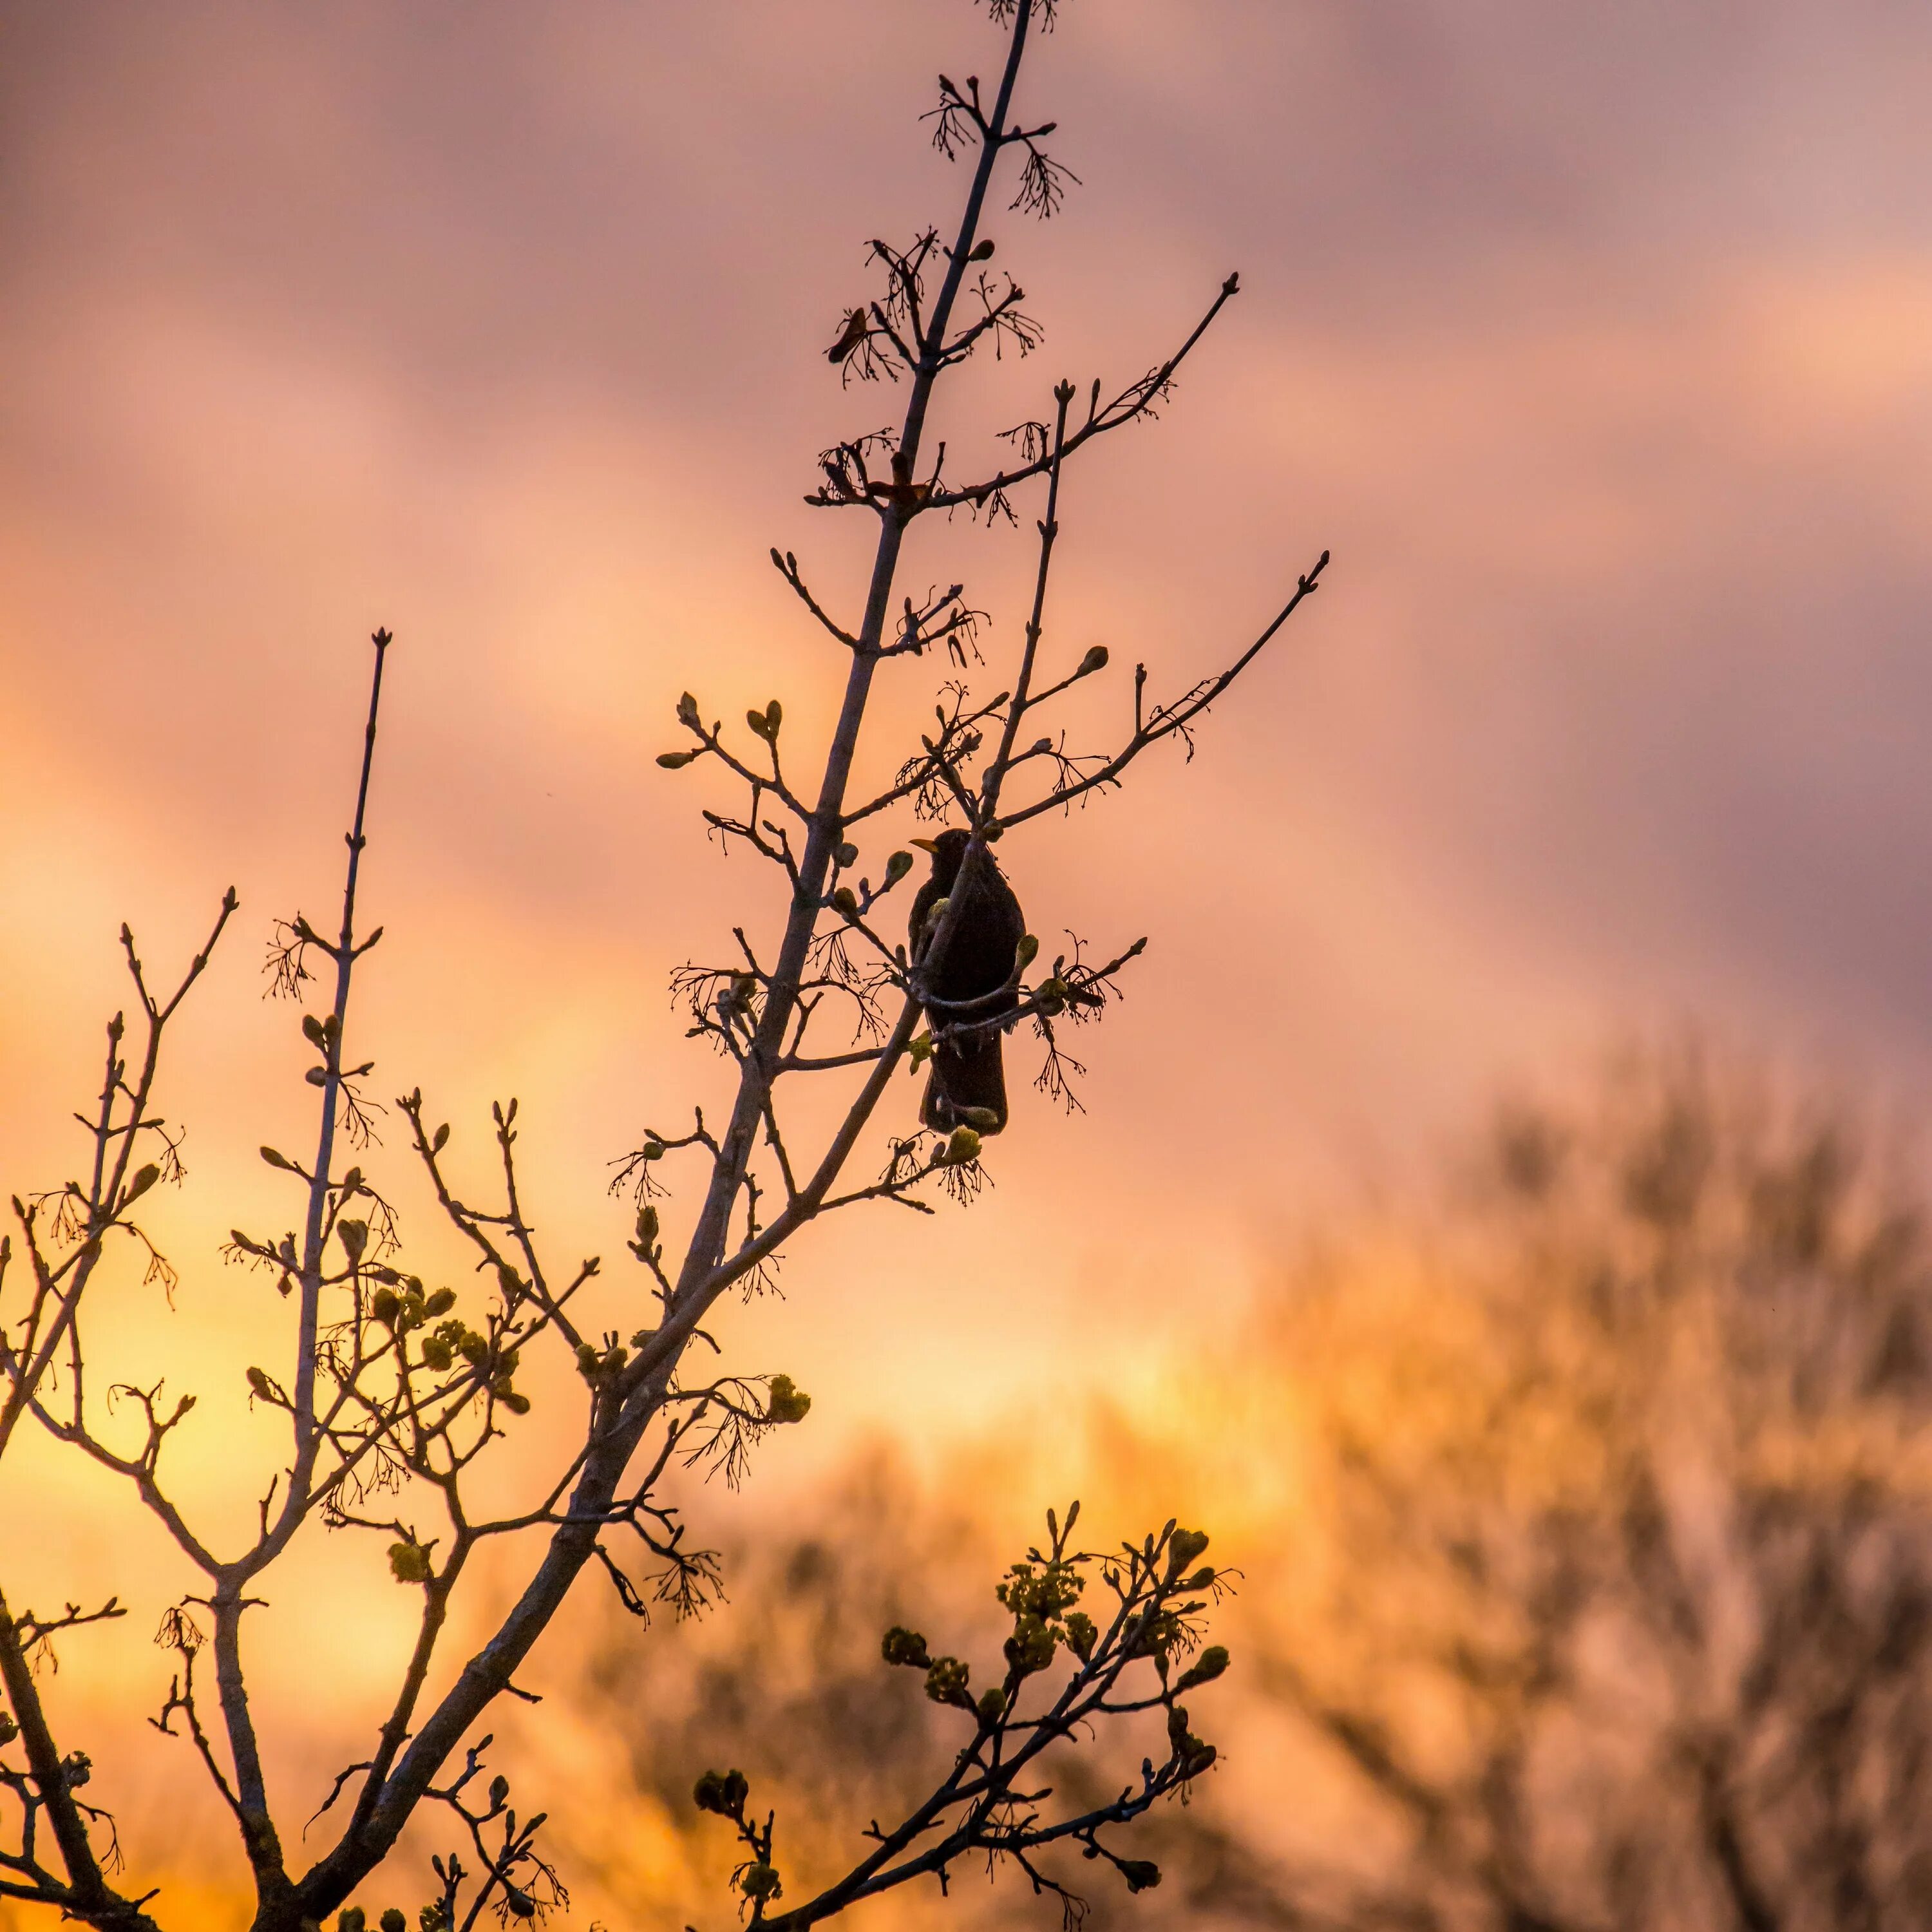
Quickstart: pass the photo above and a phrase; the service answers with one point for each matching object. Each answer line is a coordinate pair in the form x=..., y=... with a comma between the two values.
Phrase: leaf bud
x=845, y=900
x=1208, y=1666
x=351, y=1919
x=1141, y=1874
x=1096, y=659
x=258, y=1382
x=440, y=1303
x=277, y=1160
x=1027, y=950
x=439, y=1139
x=1183, y=1547
x=517, y=1405
x=1081, y=1634
x=499, y=1789
x=903, y=1646
x=144, y=1180
x=986, y=1119
x=393, y=1920
x=312, y=1029
x=647, y=1224
x=945, y=1682
x=385, y=1306
x=408, y=1563
x=758, y=722
x=722, y=1792
x=352, y=1183
x=761, y=1881
x=687, y=710
x=355, y=1238
x=675, y=761
x=992, y=1702
x=847, y=854
x=786, y=1402
x=983, y=252
x=521, y=1904
x=437, y=1354
x=897, y=867
x=962, y=1147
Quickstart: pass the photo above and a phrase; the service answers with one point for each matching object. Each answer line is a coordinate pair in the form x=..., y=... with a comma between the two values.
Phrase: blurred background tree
x=1583, y=1521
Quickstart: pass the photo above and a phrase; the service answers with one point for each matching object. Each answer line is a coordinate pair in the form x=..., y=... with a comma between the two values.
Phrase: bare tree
x=394, y=1391
x=1600, y=1599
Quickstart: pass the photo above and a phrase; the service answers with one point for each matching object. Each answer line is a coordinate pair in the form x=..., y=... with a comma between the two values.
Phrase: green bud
x=312, y=1029
x=517, y=1405
x=647, y=1225
x=761, y=1881
x=355, y=1238
x=385, y=1307
x=687, y=710
x=1081, y=1634
x=905, y=1646
x=675, y=761
x=1208, y=1666
x=259, y=1382
x=1096, y=659
x=277, y=1160
x=786, y=1402
x=846, y=901
x=945, y=1681
x=351, y=1918
x=962, y=1148
x=1183, y=1547
x=408, y=1563
x=846, y=854
x=437, y=1354
x=144, y=1180
x=1141, y=1874
x=992, y=1702
x=897, y=867
x=393, y=1920
x=1027, y=951
x=722, y=1792
x=439, y=1138
x=984, y=1118
x=440, y=1303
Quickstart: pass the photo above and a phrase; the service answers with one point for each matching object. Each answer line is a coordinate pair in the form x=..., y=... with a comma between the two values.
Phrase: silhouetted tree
x=1587, y=1548
x=395, y=1390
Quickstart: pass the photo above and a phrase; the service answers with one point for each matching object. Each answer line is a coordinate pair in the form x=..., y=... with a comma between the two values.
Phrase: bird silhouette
x=967, y=1086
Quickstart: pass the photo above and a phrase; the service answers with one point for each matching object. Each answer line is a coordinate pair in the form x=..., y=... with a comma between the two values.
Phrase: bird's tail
x=967, y=1086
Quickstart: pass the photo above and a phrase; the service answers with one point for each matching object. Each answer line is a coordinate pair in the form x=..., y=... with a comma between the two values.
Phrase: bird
x=967, y=1087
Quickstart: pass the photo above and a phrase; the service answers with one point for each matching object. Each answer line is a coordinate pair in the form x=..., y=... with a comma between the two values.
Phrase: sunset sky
x=1595, y=343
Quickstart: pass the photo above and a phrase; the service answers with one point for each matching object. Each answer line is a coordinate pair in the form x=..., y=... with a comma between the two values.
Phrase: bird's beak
x=927, y=844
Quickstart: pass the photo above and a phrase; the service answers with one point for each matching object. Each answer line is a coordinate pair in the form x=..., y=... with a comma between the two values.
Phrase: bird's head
x=949, y=854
